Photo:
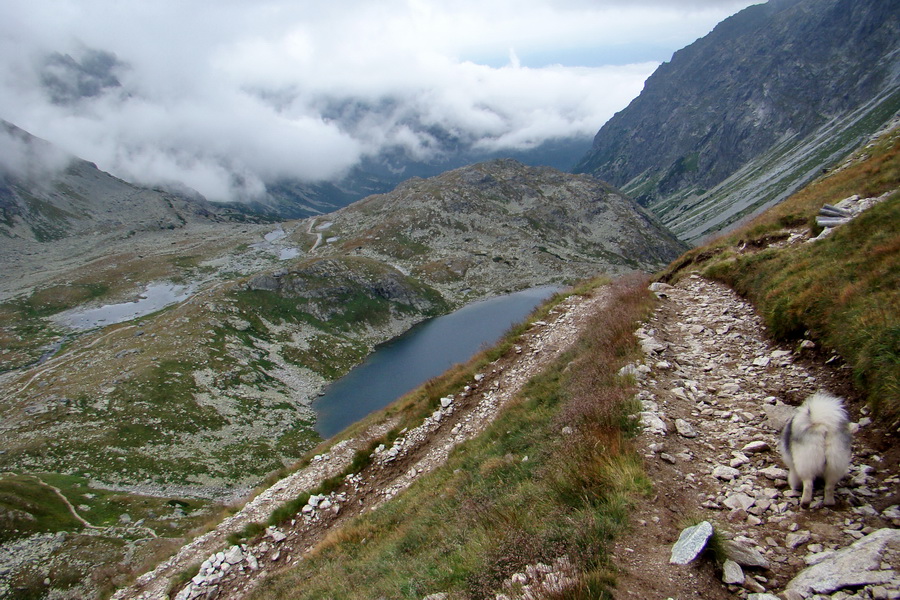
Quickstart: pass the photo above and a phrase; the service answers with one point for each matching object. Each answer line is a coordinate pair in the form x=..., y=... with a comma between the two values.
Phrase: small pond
x=156, y=297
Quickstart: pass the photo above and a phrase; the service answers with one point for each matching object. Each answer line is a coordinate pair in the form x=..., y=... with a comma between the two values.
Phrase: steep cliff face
x=787, y=87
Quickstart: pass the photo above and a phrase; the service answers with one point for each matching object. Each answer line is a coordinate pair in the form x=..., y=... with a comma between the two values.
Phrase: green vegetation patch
x=28, y=506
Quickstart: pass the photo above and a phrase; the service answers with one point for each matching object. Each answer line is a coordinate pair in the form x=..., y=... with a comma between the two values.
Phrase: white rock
x=685, y=429
x=691, y=543
x=792, y=540
x=755, y=446
x=653, y=423
x=732, y=573
x=725, y=472
x=277, y=536
x=251, y=562
x=445, y=402
x=742, y=501
x=739, y=460
x=858, y=565
x=762, y=361
x=234, y=555
x=774, y=473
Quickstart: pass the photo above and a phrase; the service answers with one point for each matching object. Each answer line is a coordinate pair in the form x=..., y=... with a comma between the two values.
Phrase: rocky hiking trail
x=714, y=393
x=231, y=572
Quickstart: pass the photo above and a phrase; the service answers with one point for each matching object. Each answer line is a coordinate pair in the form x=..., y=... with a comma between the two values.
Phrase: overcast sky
x=226, y=95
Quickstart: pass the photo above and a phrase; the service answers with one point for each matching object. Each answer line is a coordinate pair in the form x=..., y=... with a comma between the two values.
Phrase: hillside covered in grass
x=843, y=291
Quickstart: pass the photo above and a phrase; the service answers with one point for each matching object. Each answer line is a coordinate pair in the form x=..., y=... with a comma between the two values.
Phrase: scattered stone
x=233, y=555
x=739, y=501
x=685, y=429
x=774, y=473
x=653, y=423
x=744, y=555
x=277, y=536
x=691, y=543
x=732, y=573
x=793, y=540
x=739, y=460
x=778, y=415
x=725, y=472
x=857, y=565
x=755, y=446
x=445, y=402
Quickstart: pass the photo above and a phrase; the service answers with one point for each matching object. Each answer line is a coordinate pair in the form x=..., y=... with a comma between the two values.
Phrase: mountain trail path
x=715, y=394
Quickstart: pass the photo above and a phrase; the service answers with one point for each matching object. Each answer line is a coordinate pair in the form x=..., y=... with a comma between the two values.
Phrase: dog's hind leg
x=829, y=491
x=793, y=480
x=806, y=498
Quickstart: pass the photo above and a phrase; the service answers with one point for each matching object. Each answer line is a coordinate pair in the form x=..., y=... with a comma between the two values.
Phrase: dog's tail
x=825, y=409
x=827, y=415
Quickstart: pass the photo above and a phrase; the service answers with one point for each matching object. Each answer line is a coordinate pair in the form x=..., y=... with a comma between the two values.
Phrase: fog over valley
x=226, y=99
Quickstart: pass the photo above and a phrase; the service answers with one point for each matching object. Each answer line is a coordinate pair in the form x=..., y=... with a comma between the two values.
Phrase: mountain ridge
x=783, y=89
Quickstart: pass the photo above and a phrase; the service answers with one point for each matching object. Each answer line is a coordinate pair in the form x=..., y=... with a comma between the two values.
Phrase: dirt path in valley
x=392, y=470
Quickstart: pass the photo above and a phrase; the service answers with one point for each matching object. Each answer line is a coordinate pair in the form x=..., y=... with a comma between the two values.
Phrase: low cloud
x=229, y=96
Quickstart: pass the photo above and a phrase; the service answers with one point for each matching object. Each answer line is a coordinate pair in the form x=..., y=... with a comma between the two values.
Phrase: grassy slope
x=490, y=511
x=843, y=291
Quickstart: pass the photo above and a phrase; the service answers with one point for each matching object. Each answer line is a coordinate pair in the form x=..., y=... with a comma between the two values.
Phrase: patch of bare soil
x=715, y=392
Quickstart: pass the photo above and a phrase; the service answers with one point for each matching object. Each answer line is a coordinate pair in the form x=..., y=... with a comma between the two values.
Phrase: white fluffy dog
x=816, y=443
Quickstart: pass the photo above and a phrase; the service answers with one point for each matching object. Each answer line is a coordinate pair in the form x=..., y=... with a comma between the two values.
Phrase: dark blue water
x=425, y=351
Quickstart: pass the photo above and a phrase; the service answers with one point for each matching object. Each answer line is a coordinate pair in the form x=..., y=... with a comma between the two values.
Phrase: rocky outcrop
x=476, y=223
x=743, y=116
x=329, y=287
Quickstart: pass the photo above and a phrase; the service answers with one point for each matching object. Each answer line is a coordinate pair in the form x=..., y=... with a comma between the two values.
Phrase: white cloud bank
x=226, y=95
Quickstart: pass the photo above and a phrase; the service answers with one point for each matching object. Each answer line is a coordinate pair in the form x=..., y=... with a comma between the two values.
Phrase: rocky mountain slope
x=46, y=195
x=151, y=425
x=746, y=115
x=467, y=227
